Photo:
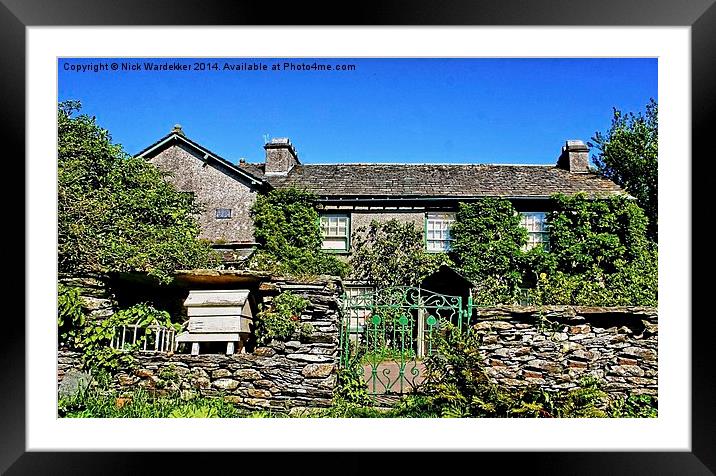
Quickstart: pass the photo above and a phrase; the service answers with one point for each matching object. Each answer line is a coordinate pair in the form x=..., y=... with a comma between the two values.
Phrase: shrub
x=280, y=320
x=392, y=253
x=486, y=247
x=287, y=229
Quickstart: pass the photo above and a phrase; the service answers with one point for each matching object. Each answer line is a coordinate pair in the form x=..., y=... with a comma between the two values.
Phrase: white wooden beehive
x=217, y=316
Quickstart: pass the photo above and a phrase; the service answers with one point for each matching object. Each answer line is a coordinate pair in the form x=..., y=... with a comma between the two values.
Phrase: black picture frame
x=700, y=15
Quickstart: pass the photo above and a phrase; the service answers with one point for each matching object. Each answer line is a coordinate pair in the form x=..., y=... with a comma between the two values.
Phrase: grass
x=96, y=403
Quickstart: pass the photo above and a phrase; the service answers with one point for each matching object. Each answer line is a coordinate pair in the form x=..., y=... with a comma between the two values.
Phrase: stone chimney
x=280, y=157
x=575, y=157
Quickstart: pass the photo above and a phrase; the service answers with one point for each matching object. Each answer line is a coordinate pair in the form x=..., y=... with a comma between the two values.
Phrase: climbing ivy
x=287, y=229
x=486, y=247
x=598, y=254
x=392, y=253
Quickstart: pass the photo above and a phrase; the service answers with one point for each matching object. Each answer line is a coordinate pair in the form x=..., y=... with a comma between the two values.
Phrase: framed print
x=233, y=316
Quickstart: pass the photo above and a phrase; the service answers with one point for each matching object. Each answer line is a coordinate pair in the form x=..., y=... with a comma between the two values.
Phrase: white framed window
x=536, y=225
x=336, y=232
x=223, y=213
x=437, y=231
x=359, y=299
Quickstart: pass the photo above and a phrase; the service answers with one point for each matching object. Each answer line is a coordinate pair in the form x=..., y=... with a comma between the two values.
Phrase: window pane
x=536, y=225
x=438, y=231
x=334, y=226
x=332, y=243
x=223, y=213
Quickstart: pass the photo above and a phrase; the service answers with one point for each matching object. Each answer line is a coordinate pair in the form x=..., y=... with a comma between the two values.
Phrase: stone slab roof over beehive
x=417, y=180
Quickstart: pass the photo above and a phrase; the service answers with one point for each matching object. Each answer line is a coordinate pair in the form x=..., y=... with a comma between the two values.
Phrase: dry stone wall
x=558, y=345
x=552, y=347
x=96, y=296
x=281, y=375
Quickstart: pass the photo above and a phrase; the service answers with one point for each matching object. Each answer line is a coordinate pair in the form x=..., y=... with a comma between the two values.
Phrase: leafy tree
x=117, y=213
x=628, y=155
x=601, y=254
x=287, y=229
x=392, y=253
x=487, y=248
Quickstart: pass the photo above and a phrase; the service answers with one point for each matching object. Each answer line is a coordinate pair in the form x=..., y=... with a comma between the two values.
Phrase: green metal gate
x=390, y=331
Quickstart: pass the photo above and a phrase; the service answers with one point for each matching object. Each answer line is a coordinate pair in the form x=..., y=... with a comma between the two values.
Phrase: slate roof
x=173, y=136
x=416, y=180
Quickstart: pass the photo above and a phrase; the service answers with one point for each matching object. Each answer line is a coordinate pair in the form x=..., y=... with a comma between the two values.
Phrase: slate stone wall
x=554, y=348
x=98, y=300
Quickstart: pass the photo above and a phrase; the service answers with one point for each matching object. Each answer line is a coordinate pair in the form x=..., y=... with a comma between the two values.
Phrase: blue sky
x=386, y=110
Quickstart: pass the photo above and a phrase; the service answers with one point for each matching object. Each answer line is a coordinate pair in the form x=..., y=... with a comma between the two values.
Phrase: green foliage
x=117, y=212
x=97, y=403
x=70, y=313
x=350, y=386
x=387, y=352
x=599, y=254
x=93, y=339
x=194, y=410
x=487, y=248
x=634, y=406
x=392, y=253
x=286, y=226
x=280, y=320
x=628, y=155
x=456, y=380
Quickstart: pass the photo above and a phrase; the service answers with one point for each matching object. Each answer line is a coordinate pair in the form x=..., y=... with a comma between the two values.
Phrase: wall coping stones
x=508, y=312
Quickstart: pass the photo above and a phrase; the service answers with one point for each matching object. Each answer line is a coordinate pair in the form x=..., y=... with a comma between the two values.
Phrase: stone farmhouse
x=352, y=195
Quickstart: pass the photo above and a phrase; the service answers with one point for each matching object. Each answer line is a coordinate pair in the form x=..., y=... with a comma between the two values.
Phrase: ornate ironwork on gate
x=389, y=332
